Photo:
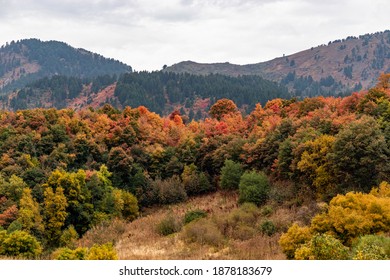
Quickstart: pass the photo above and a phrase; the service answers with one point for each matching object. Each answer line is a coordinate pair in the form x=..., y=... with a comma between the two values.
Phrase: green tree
x=69, y=237
x=195, y=182
x=29, y=213
x=55, y=205
x=125, y=205
x=20, y=244
x=254, y=187
x=120, y=164
x=13, y=188
x=360, y=155
x=231, y=173
x=100, y=187
x=130, y=206
x=78, y=197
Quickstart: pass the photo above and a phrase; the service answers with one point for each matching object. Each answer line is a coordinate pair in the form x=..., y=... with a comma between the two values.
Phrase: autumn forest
x=322, y=163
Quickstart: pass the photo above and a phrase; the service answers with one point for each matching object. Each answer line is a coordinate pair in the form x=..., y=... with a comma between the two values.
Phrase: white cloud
x=147, y=34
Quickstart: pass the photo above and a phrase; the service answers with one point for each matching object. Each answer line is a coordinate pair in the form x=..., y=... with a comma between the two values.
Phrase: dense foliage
x=160, y=92
x=63, y=172
x=355, y=220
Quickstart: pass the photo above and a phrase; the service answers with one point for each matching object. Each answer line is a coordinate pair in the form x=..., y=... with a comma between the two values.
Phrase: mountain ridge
x=353, y=63
x=27, y=60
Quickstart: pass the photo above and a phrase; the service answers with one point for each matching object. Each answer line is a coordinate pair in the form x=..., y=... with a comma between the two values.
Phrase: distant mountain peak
x=27, y=60
x=341, y=65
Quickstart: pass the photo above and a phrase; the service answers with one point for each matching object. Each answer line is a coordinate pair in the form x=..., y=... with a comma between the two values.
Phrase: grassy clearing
x=229, y=231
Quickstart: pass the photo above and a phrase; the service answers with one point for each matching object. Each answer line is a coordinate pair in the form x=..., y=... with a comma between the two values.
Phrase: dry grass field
x=228, y=231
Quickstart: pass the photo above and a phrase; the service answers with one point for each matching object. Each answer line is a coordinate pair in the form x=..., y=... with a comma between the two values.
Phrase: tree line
x=62, y=171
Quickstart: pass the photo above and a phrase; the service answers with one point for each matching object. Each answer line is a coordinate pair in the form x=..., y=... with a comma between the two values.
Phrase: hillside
x=53, y=74
x=342, y=65
x=28, y=60
x=285, y=181
x=161, y=92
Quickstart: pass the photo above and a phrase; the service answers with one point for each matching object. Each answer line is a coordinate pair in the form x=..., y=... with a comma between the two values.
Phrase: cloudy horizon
x=149, y=34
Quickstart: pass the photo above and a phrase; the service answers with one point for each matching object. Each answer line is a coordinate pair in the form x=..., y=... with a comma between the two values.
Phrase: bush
x=372, y=247
x=96, y=252
x=254, y=187
x=170, y=190
x=130, y=206
x=267, y=227
x=243, y=232
x=194, y=215
x=107, y=231
x=20, y=244
x=168, y=225
x=195, y=182
x=295, y=237
x=102, y=252
x=238, y=222
x=204, y=232
x=231, y=173
x=69, y=254
x=322, y=247
x=267, y=211
x=69, y=237
x=355, y=214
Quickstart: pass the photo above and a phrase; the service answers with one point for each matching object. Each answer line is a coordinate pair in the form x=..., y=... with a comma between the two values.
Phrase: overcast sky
x=146, y=34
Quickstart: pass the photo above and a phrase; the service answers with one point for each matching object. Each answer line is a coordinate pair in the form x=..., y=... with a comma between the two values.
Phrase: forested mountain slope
x=343, y=65
x=160, y=92
x=28, y=60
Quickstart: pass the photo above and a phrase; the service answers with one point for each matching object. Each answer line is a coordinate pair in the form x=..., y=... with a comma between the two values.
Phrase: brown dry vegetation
x=228, y=232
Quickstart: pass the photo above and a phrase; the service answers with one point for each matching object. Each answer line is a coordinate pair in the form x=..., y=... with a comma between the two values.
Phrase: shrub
x=69, y=254
x=130, y=206
x=322, y=247
x=243, y=232
x=170, y=190
x=254, y=187
x=96, y=252
x=20, y=244
x=355, y=214
x=372, y=247
x=267, y=211
x=246, y=214
x=204, y=184
x=102, y=252
x=168, y=225
x=194, y=215
x=238, y=222
x=195, y=182
x=231, y=173
x=204, y=232
x=295, y=237
x=69, y=237
x=107, y=231
x=267, y=227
